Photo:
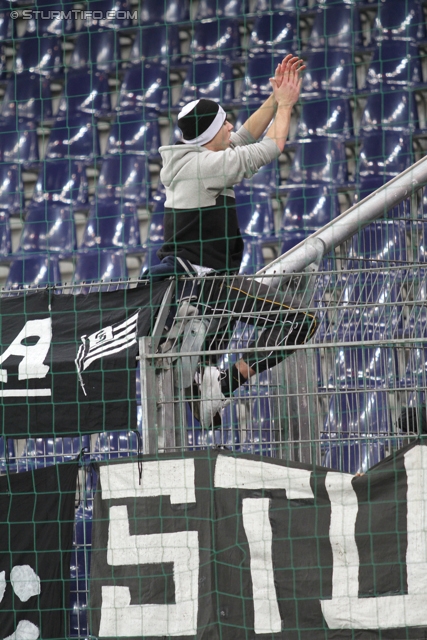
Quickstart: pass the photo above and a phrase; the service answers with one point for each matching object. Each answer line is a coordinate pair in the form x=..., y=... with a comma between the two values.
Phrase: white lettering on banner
x=235, y=473
x=25, y=584
x=174, y=478
x=346, y=610
x=33, y=356
x=260, y=538
x=119, y=617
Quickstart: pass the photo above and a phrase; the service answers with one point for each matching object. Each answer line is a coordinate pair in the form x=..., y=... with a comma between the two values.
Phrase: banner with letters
x=68, y=362
x=216, y=545
x=36, y=537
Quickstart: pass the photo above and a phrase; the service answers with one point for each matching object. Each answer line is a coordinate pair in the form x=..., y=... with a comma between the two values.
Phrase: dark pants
x=273, y=316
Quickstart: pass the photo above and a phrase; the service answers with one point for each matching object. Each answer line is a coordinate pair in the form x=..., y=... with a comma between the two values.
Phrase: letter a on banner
x=346, y=610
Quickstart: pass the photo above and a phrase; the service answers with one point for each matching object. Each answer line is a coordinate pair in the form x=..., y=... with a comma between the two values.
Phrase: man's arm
x=257, y=123
x=286, y=95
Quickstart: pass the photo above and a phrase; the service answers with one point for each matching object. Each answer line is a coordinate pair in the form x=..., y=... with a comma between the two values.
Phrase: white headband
x=213, y=128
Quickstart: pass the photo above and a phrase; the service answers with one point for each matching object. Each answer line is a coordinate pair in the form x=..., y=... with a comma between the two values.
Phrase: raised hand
x=287, y=80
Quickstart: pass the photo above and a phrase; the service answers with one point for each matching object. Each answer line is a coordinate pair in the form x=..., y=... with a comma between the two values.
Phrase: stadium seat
x=336, y=26
x=310, y=208
x=48, y=451
x=256, y=84
x=92, y=267
x=49, y=226
x=136, y=133
x=32, y=270
x=5, y=234
x=266, y=179
x=40, y=55
x=222, y=8
x=56, y=18
x=85, y=92
x=112, y=225
x=279, y=5
x=369, y=184
x=290, y=238
x=62, y=181
x=390, y=110
x=115, y=444
x=173, y=11
x=144, y=85
x=395, y=63
x=75, y=137
x=254, y=212
x=330, y=72
x=400, y=21
x=257, y=434
x=274, y=32
x=7, y=26
x=384, y=153
x=109, y=14
x=124, y=177
x=319, y=161
x=326, y=117
x=18, y=141
x=353, y=455
x=356, y=412
x=27, y=95
x=155, y=233
x=97, y=51
x=370, y=367
x=156, y=44
x=11, y=189
x=253, y=258
x=212, y=79
x=216, y=38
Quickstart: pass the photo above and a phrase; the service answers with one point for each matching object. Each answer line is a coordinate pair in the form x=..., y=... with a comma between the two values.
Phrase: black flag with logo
x=36, y=536
x=68, y=362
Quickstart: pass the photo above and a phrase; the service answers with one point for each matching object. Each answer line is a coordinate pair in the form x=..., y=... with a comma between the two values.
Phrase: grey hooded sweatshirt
x=200, y=221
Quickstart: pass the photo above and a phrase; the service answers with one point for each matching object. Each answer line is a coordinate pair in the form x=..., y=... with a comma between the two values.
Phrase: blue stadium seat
x=32, y=270
x=259, y=435
x=291, y=238
x=384, y=153
x=216, y=38
x=369, y=184
x=18, y=141
x=5, y=234
x=48, y=451
x=395, y=63
x=156, y=44
x=124, y=177
x=394, y=110
x=173, y=11
x=280, y=5
x=11, y=189
x=372, y=367
x=62, y=181
x=326, y=117
x=254, y=212
x=49, y=226
x=85, y=92
x=144, y=85
x=212, y=79
x=274, y=32
x=400, y=21
x=155, y=229
x=109, y=14
x=256, y=84
x=356, y=412
x=253, y=258
x=104, y=266
x=353, y=455
x=112, y=225
x=40, y=55
x=337, y=26
x=97, y=51
x=150, y=257
x=74, y=136
x=222, y=8
x=7, y=26
x=319, y=160
x=27, y=95
x=330, y=72
x=310, y=208
x=136, y=133
x=56, y=18
x=115, y=444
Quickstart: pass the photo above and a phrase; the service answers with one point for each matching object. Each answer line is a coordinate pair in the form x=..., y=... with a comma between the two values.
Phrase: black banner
x=220, y=545
x=36, y=536
x=67, y=363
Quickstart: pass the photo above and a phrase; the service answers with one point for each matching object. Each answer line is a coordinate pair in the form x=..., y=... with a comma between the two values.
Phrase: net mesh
x=89, y=94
